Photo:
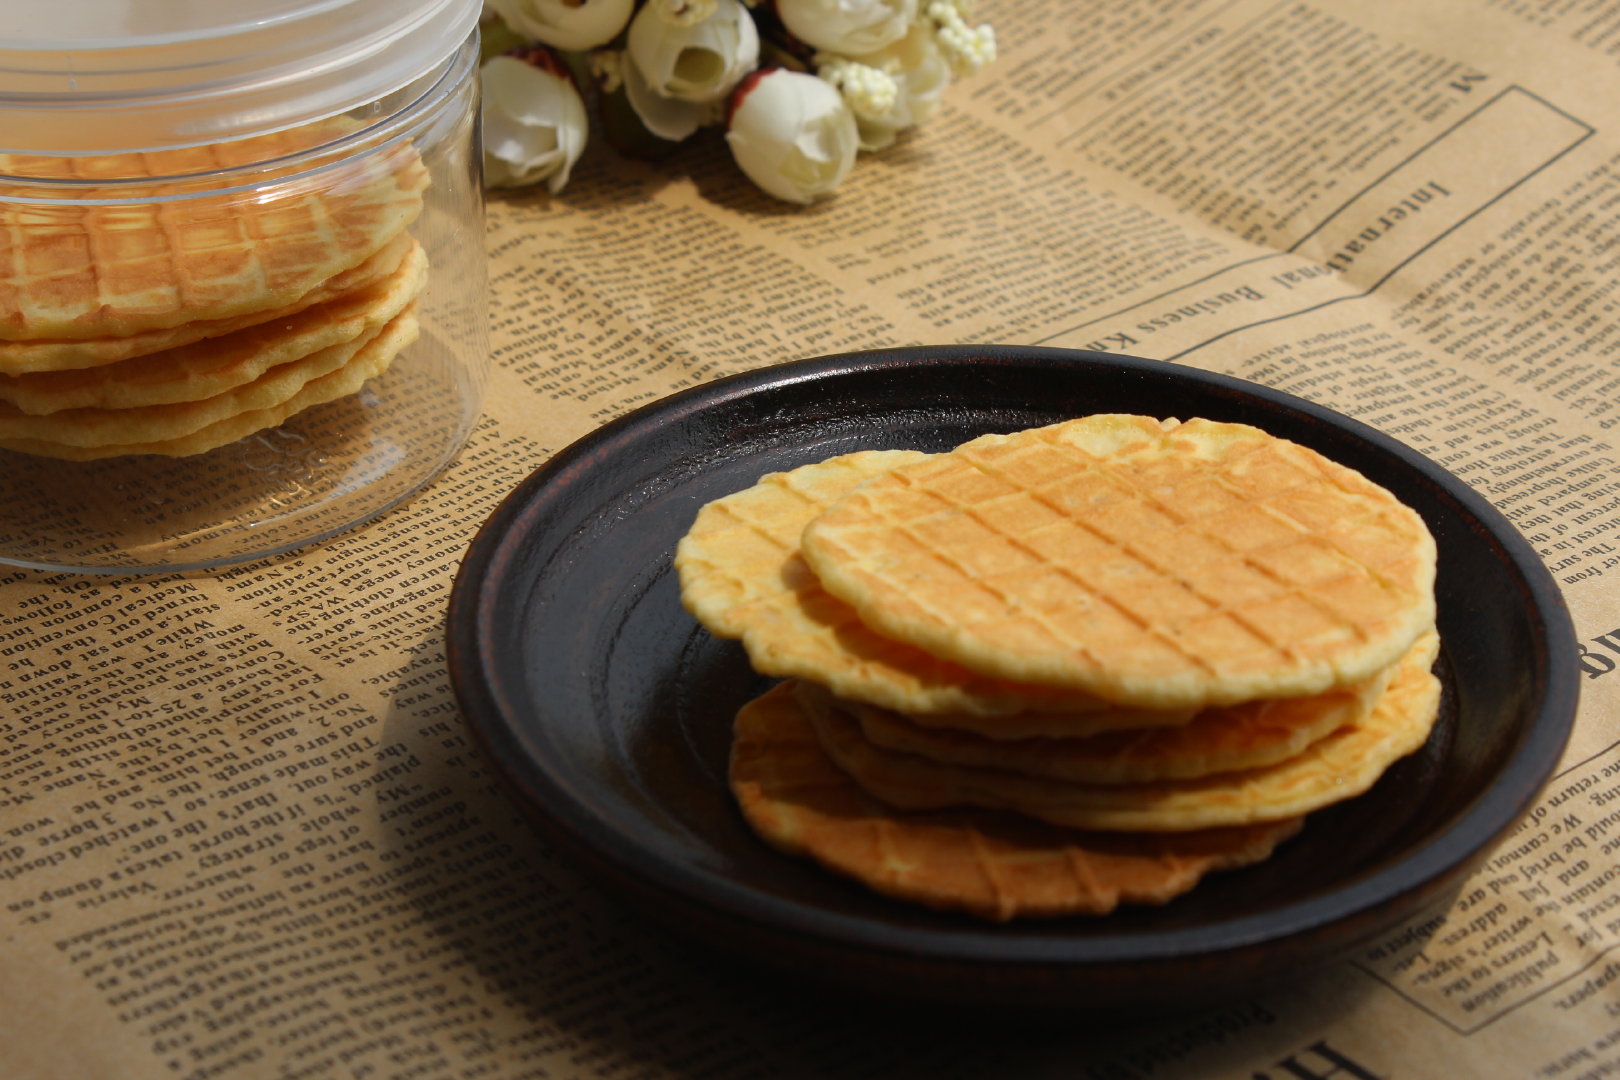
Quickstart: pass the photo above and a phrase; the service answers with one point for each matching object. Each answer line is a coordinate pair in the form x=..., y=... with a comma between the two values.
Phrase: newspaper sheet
x=242, y=830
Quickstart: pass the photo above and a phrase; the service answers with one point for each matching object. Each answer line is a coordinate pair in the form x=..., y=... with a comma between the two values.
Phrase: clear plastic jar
x=242, y=273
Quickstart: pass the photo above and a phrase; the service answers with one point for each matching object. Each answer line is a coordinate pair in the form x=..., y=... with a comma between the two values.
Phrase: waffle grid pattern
x=371, y=360
x=198, y=370
x=74, y=272
x=995, y=867
x=742, y=577
x=1338, y=767
x=1061, y=565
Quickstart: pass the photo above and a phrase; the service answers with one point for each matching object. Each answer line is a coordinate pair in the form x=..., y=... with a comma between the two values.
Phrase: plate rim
x=1426, y=869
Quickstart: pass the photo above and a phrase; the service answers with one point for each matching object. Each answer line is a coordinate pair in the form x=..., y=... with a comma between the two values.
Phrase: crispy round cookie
x=206, y=369
x=1037, y=724
x=1340, y=766
x=741, y=549
x=742, y=577
x=92, y=428
x=98, y=270
x=1221, y=739
x=995, y=866
x=1155, y=564
x=30, y=357
x=369, y=361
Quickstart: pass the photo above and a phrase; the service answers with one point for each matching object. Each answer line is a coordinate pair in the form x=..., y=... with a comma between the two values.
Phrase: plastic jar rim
x=212, y=82
x=301, y=166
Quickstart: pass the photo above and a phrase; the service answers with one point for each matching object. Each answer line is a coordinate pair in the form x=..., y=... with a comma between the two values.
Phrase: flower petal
x=534, y=124
x=792, y=135
x=667, y=118
x=566, y=24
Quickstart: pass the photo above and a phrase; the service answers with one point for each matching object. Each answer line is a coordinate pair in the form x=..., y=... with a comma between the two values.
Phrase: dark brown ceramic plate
x=608, y=709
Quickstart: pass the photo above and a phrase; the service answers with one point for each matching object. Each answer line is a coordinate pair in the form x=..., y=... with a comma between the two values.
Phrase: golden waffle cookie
x=1155, y=564
x=741, y=548
x=160, y=423
x=209, y=368
x=99, y=271
x=1340, y=766
x=369, y=361
x=994, y=866
x=742, y=577
x=1014, y=727
x=27, y=357
x=1222, y=739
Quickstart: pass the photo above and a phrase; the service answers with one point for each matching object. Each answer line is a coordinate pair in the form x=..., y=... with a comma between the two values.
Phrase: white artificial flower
x=667, y=118
x=851, y=27
x=534, y=122
x=792, y=135
x=566, y=24
x=917, y=73
x=693, y=61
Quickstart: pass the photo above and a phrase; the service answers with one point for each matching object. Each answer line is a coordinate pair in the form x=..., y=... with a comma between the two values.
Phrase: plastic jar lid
x=100, y=76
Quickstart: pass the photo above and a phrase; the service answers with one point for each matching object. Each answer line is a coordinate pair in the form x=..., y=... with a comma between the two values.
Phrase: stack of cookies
x=1052, y=672
x=176, y=317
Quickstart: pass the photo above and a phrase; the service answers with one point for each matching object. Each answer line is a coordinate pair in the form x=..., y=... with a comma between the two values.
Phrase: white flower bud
x=566, y=24
x=534, y=121
x=792, y=135
x=700, y=61
x=851, y=27
x=668, y=118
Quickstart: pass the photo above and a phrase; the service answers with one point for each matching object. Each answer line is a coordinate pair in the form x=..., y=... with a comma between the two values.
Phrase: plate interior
x=610, y=709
